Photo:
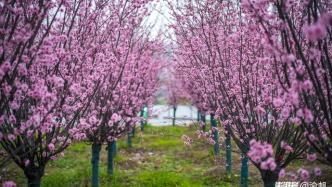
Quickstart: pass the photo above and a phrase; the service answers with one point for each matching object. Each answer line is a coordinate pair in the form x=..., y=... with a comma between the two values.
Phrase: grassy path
x=158, y=158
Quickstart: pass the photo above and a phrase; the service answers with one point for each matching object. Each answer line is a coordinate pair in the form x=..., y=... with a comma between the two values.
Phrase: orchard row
x=262, y=69
x=72, y=70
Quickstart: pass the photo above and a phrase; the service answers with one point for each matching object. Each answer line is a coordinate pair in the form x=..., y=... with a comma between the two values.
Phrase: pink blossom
x=264, y=60
x=285, y=112
x=259, y=152
x=24, y=87
x=9, y=184
x=5, y=66
x=307, y=85
x=11, y=137
x=2, y=119
x=283, y=144
x=68, y=142
x=308, y=117
x=185, y=137
x=62, y=154
x=312, y=137
x=293, y=177
x=187, y=144
x=268, y=164
x=324, y=136
x=311, y=157
x=317, y=171
x=282, y=173
x=82, y=136
x=222, y=139
x=115, y=117
x=30, y=133
x=110, y=123
x=51, y=147
x=218, y=112
x=22, y=70
x=264, y=166
x=14, y=105
x=297, y=121
x=2, y=73
x=288, y=58
x=260, y=110
x=211, y=141
x=26, y=162
x=277, y=102
x=315, y=32
x=288, y=148
x=12, y=119
x=304, y=174
x=272, y=166
x=294, y=98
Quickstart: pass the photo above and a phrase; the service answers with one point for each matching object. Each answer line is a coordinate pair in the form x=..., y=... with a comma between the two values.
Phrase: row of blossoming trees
x=263, y=69
x=71, y=70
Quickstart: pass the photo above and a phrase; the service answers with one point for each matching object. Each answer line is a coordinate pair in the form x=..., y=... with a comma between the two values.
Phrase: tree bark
x=34, y=175
x=142, y=122
x=133, y=131
x=34, y=181
x=244, y=171
x=270, y=177
x=228, y=154
x=129, y=136
x=198, y=115
x=110, y=155
x=204, y=121
x=174, y=112
x=215, y=135
x=95, y=164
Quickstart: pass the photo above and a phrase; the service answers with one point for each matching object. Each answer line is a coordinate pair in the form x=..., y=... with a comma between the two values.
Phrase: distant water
x=162, y=115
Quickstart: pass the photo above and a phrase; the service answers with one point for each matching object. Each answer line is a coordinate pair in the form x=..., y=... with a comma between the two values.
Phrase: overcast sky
x=161, y=16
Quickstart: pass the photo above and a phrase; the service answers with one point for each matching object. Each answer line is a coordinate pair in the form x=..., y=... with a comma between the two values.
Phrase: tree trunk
x=111, y=147
x=204, y=121
x=34, y=175
x=95, y=163
x=34, y=181
x=129, y=135
x=133, y=131
x=142, y=122
x=270, y=177
x=244, y=171
x=114, y=148
x=174, y=112
x=215, y=135
x=228, y=154
x=198, y=116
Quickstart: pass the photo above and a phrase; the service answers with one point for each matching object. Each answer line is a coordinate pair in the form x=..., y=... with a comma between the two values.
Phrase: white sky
x=161, y=16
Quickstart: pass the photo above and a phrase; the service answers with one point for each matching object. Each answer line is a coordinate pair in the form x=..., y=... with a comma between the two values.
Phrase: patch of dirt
x=128, y=164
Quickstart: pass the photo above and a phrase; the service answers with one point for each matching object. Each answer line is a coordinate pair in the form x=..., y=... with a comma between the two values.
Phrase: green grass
x=157, y=158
